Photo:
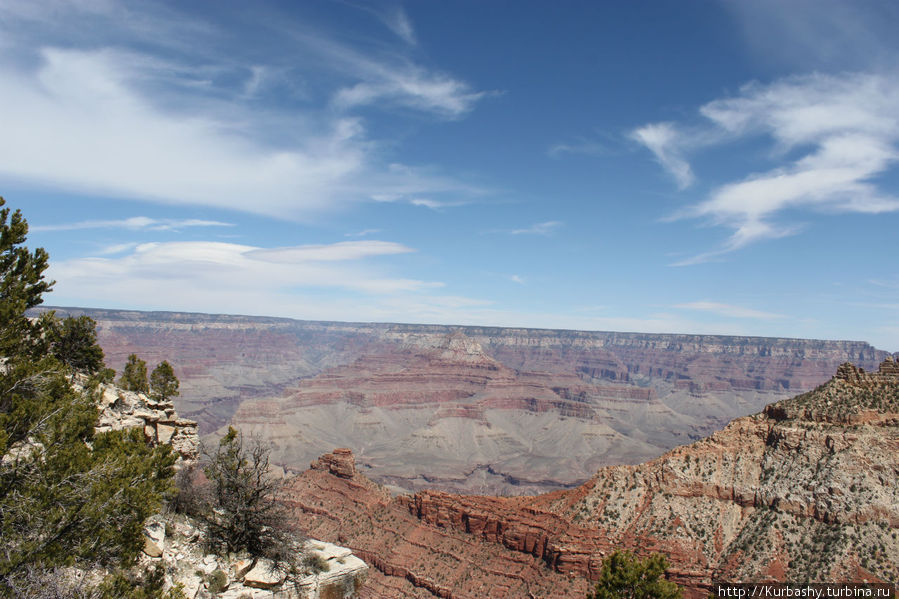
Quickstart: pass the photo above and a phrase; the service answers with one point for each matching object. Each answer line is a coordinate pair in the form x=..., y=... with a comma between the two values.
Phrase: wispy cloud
x=117, y=248
x=819, y=34
x=390, y=79
x=409, y=196
x=134, y=223
x=664, y=142
x=398, y=22
x=728, y=310
x=363, y=233
x=545, y=228
x=432, y=204
x=205, y=268
x=409, y=86
x=393, y=17
x=517, y=279
x=580, y=146
x=335, y=252
x=885, y=283
x=845, y=128
x=76, y=105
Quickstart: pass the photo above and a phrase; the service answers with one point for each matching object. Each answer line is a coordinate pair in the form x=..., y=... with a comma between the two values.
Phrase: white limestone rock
x=264, y=575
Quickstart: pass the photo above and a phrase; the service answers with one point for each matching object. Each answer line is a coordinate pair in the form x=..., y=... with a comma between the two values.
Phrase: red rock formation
x=468, y=409
x=339, y=463
x=887, y=373
x=791, y=494
x=412, y=559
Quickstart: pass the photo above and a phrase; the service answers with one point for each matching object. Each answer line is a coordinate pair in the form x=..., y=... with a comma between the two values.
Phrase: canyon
x=465, y=409
x=805, y=490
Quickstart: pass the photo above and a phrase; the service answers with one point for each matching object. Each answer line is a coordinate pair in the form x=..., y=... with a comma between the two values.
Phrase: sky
x=720, y=167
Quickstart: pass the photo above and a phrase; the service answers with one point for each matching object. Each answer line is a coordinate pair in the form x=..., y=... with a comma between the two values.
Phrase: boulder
x=154, y=539
x=164, y=433
x=264, y=575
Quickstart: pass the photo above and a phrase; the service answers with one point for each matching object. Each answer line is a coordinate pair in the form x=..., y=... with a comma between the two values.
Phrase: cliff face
x=120, y=409
x=468, y=409
x=177, y=543
x=805, y=490
x=409, y=558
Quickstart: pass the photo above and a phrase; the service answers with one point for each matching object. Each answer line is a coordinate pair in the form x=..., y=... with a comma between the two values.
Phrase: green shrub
x=315, y=563
x=625, y=576
x=68, y=495
x=217, y=581
x=134, y=375
x=238, y=505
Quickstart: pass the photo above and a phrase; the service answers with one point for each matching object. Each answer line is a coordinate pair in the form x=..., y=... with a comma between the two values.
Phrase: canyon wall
x=803, y=491
x=467, y=409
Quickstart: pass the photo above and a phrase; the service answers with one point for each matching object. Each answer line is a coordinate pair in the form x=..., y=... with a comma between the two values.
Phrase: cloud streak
x=176, y=123
x=845, y=129
x=545, y=228
x=209, y=269
x=135, y=223
x=728, y=310
x=663, y=140
x=409, y=86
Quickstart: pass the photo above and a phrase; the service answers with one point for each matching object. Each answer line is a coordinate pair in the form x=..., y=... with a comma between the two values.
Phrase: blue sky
x=713, y=167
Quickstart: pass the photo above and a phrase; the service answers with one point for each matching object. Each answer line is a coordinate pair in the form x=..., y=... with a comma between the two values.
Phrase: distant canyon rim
x=484, y=410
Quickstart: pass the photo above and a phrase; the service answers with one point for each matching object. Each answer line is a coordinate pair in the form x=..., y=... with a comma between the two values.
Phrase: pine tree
x=625, y=576
x=74, y=343
x=163, y=382
x=68, y=495
x=22, y=285
x=134, y=375
x=241, y=512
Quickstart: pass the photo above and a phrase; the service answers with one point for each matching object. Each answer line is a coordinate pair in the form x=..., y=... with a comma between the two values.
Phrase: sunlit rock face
x=803, y=491
x=466, y=409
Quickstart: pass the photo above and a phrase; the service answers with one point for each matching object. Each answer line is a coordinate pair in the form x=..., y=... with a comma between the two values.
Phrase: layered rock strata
x=804, y=491
x=467, y=409
x=120, y=409
x=409, y=558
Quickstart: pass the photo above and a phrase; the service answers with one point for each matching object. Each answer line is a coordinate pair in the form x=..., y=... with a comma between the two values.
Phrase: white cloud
x=455, y=193
x=363, y=233
x=409, y=86
x=663, y=140
x=517, y=279
x=325, y=282
x=398, y=22
x=134, y=223
x=845, y=129
x=544, y=228
x=426, y=203
x=728, y=310
x=389, y=79
x=344, y=250
x=885, y=283
x=394, y=17
x=186, y=274
x=79, y=125
x=117, y=248
x=580, y=146
x=819, y=34
x=177, y=121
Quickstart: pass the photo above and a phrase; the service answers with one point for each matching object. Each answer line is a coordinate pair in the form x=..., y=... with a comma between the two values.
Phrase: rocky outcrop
x=791, y=493
x=330, y=572
x=120, y=409
x=887, y=373
x=409, y=558
x=339, y=463
x=177, y=543
x=467, y=409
